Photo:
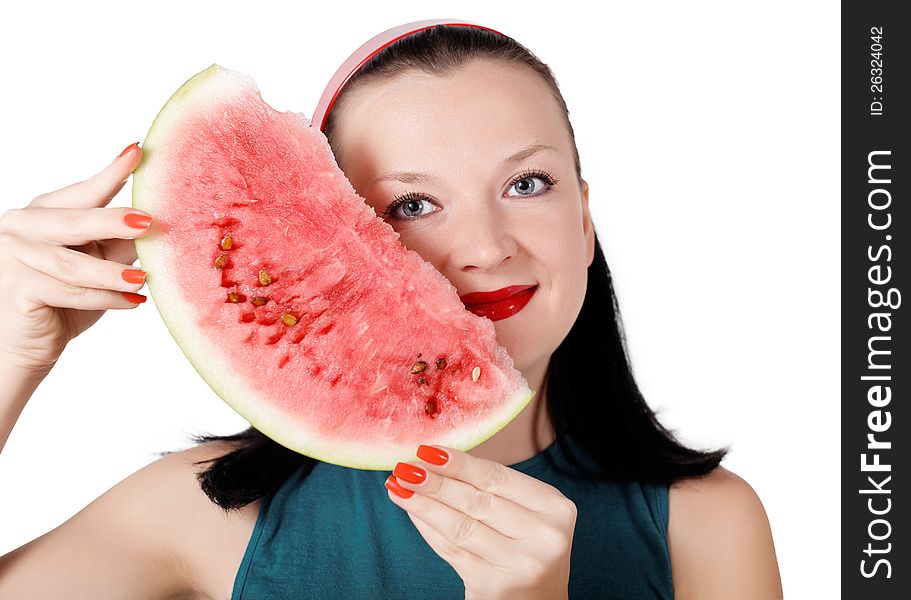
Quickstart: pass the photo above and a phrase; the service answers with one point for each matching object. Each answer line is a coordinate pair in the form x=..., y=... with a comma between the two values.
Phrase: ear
x=588, y=227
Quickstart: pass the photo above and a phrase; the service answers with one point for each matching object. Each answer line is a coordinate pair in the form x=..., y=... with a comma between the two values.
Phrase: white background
x=709, y=133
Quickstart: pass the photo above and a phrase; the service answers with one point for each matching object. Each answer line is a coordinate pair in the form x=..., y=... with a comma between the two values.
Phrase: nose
x=482, y=239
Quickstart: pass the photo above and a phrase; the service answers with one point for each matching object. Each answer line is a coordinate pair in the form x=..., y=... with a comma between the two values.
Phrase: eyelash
x=397, y=201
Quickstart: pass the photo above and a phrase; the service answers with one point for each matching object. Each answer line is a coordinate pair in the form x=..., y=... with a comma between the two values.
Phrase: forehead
x=485, y=110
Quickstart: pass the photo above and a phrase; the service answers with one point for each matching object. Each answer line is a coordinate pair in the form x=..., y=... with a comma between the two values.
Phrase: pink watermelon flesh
x=362, y=349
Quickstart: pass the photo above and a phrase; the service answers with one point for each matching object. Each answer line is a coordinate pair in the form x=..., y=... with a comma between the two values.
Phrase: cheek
x=425, y=242
x=559, y=260
x=561, y=244
x=567, y=267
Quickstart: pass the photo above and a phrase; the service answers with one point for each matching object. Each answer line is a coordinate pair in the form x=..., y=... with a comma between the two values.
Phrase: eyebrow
x=416, y=177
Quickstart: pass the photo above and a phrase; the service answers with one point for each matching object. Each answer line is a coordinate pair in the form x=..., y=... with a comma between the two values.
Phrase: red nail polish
x=410, y=473
x=137, y=220
x=434, y=456
x=393, y=486
x=135, y=298
x=133, y=276
x=128, y=148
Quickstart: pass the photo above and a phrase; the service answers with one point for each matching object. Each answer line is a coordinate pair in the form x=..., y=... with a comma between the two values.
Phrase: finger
x=98, y=190
x=498, y=513
x=72, y=226
x=464, y=562
x=119, y=251
x=76, y=268
x=46, y=290
x=459, y=529
x=492, y=477
x=92, y=249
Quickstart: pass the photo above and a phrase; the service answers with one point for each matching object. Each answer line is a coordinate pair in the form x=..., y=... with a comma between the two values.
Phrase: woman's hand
x=64, y=259
x=506, y=534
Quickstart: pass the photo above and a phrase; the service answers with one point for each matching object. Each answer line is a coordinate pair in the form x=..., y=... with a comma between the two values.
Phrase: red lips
x=494, y=296
x=500, y=304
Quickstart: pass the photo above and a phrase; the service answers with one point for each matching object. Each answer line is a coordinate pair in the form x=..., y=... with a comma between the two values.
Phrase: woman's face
x=484, y=221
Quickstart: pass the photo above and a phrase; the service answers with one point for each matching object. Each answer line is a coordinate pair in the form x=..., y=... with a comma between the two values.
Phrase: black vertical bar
x=876, y=367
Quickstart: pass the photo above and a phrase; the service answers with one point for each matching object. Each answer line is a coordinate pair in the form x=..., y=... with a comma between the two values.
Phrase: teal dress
x=335, y=534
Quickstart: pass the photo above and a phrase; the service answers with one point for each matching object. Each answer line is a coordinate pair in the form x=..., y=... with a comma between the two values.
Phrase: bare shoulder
x=154, y=532
x=209, y=541
x=720, y=540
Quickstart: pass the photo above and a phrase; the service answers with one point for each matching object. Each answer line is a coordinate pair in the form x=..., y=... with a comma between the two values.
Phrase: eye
x=411, y=204
x=524, y=182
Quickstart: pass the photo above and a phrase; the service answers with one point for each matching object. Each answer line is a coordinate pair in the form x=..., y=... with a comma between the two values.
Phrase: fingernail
x=393, y=486
x=137, y=220
x=409, y=473
x=434, y=456
x=134, y=276
x=136, y=298
x=128, y=148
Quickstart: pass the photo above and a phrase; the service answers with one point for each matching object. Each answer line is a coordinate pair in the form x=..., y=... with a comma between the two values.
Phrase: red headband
x=365, y=52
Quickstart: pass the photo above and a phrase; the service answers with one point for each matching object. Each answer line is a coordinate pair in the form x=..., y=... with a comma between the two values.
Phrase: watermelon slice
x=296, y=303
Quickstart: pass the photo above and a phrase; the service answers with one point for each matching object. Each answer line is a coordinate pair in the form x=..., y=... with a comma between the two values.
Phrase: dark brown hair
x=603, y=412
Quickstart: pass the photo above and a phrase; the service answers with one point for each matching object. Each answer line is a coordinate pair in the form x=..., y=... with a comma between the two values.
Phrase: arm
x=131, y=542
x=720, y=540
x=15, y=391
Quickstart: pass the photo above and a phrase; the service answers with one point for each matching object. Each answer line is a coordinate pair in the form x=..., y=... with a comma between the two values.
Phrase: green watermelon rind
x=209, y=360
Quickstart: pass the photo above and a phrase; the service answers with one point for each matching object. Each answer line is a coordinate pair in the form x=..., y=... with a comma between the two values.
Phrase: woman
x=460, y=139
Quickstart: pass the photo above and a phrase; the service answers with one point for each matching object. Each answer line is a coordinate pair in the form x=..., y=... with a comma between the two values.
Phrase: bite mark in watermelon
x=296, y=303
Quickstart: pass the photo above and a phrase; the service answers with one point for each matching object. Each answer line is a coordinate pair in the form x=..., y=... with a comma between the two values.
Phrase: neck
x=529, y=433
